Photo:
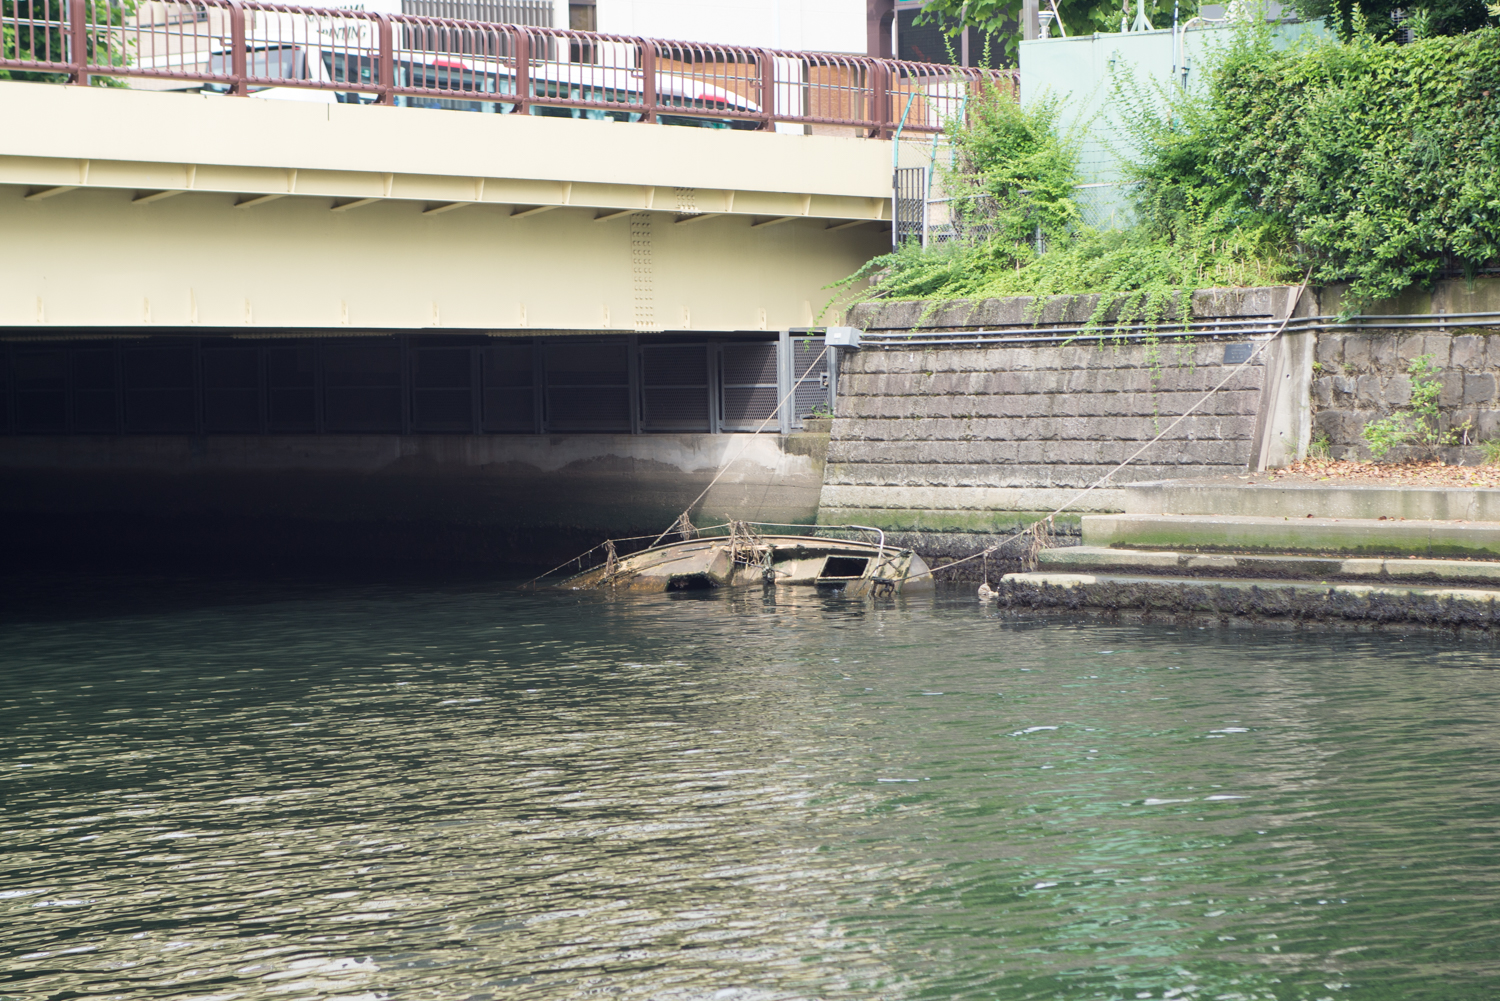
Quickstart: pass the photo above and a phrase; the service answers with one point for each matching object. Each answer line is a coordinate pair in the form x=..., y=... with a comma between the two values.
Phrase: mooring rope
x=1031, y=530
x=744, y=446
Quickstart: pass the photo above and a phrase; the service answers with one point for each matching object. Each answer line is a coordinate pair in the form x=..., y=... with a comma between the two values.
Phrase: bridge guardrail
x=245, y=45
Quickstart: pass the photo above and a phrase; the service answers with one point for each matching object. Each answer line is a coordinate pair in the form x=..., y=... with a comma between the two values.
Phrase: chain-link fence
x=1107, y=205
x=972, y=219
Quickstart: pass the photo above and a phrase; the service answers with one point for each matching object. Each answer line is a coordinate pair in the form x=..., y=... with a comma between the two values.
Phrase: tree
x=36, y=31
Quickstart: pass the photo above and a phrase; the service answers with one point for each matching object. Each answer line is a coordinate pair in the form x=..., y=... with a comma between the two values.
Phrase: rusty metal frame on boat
x=745, y=556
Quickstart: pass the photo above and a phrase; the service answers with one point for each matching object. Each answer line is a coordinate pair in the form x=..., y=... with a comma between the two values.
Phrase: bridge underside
x=234, y=327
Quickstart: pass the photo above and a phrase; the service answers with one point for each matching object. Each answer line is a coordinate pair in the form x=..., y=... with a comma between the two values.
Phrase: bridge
x=289, y=253
x=332, y=202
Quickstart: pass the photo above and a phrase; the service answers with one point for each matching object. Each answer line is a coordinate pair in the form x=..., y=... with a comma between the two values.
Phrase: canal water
x=414, y=790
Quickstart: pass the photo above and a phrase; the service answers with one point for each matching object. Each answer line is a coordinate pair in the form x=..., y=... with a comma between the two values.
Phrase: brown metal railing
x=246, y=45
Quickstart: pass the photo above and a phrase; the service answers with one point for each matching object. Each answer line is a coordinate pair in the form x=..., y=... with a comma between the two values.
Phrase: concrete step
x=1321, y=500
x=1298, y=600
x=1370, y=570
x=1260, y=534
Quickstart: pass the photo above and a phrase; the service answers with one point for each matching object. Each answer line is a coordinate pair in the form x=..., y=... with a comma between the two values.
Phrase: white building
x=799, y=25
x=806, y=25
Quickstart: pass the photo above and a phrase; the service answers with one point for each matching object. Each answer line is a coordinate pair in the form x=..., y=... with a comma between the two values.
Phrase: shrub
x=1381, y=162
x=1419, y=422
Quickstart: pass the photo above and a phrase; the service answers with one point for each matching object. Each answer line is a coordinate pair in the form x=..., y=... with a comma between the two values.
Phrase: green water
x=411, y=791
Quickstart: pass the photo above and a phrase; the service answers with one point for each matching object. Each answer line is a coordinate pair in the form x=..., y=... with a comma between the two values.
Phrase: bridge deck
x=206, y=211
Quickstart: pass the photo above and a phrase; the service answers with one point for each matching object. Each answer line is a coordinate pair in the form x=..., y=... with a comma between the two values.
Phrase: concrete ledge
x=1231, y=533
x=1276, y=599
x=987, y=499
x=1277, y=500
x=951, y=522
x=1020, y=311
x=1086, y=558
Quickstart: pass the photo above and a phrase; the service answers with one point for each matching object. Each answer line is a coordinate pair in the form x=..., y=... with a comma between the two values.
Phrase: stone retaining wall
x=953, y=447
x=1360, y=377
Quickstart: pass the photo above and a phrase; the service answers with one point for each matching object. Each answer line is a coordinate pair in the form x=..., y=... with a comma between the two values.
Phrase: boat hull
x=774, y=560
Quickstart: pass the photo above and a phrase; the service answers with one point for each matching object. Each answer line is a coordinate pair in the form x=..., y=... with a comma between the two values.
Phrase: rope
x=745, y=445
x=1137, y=453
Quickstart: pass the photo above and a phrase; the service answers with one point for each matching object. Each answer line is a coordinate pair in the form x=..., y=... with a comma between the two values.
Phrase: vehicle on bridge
x=489, y=85
x=265, y=49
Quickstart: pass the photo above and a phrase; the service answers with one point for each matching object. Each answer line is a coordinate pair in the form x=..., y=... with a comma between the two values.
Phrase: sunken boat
x=745, y=556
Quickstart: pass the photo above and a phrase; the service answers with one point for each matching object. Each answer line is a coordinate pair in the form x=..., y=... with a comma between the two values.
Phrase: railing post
x=879, y=79
x=237, y=50
x=387, y=92
x=648, y=79
x=521, y=53
x=78, y=32
x=766, y=89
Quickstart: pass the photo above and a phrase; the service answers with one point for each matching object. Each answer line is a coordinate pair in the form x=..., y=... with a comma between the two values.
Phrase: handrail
x=246, y=45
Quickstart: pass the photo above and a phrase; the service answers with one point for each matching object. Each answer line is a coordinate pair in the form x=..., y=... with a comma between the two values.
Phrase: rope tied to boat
x=743, y=447
x=1027, y=531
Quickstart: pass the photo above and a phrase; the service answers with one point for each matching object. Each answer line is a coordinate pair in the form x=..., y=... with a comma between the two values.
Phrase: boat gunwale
x=686, y=547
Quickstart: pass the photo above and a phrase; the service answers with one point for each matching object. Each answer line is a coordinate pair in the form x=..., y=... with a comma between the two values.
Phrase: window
x=588, y=386
x=674, y=387
x=747, y=381
x=292, y=388
x=362, y=386
x=159, y=389
x=94, y=395
x=509, y=403
x=231, y=389
x=41, y=390
x=442, y=392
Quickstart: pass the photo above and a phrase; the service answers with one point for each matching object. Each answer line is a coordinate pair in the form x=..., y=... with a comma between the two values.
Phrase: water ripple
x=407, y=791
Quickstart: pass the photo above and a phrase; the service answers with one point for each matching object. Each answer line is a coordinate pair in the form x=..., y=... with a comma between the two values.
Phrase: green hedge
x=1368, y=163
x=1383, y=161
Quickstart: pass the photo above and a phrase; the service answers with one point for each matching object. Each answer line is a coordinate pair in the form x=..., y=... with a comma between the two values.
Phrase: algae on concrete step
x=1238, y=533
x=1468, y=607
x=1280, y=567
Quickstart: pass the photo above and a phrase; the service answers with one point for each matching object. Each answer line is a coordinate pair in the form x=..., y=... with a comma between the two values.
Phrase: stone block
x=1329, y=350
x=1384, y=352
x=1440, y=346
x=959, y=359
x=977, y=383
x=1013, y=383
x=1478, y=389
x=1357, y=353
x=1486, y=425
x=1045, y=357
x=1453, y=389
x=1468, y=354
x=1075, y=356
x=1368, y=391
x=862, y=429
x=1396, y=390
x=1328, y=422
x=1024, y=405
x=1344, y=388
x=1322, y=391
x=1409, y=347
x=904, y=407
